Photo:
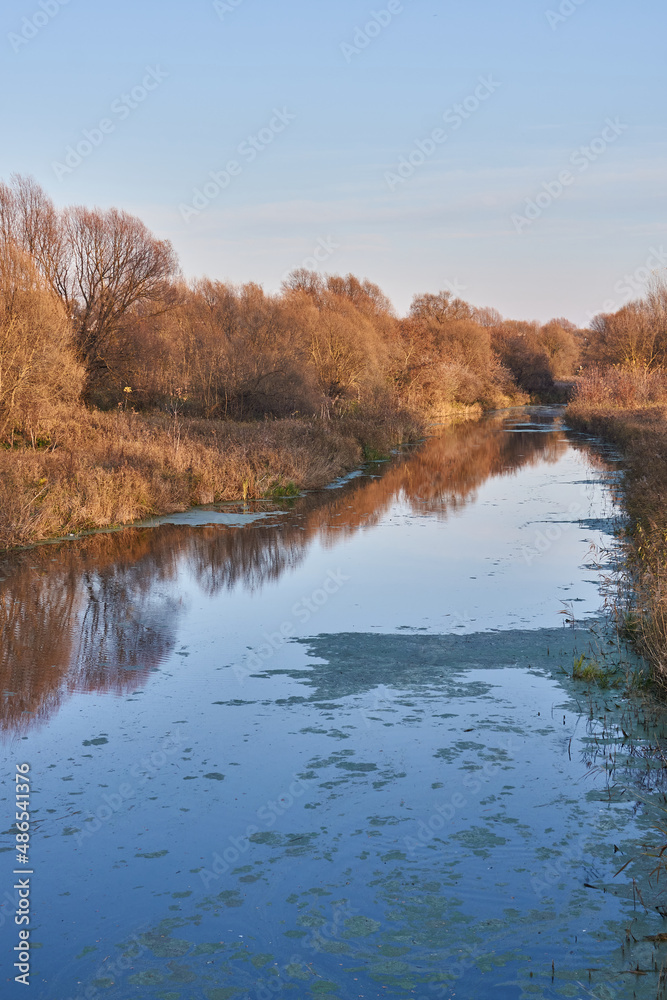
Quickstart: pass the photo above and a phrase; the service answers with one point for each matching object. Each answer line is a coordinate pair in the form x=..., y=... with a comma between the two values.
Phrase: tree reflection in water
x=98, y=614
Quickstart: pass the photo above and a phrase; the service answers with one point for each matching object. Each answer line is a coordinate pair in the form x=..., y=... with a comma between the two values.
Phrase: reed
x=88, y=469
x=640, y=432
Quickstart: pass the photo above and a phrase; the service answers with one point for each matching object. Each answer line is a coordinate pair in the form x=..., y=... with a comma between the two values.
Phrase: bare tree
x=102, y=264
x=115, y=264
x=629, y=337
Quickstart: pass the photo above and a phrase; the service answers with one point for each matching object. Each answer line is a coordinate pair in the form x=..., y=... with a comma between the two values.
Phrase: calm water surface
x=334, y=750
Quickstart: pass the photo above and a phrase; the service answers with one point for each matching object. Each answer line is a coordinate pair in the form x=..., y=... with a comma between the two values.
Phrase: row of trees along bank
x=93, y=307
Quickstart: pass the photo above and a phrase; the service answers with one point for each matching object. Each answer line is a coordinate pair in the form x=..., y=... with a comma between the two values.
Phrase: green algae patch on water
x=267, y=838
x=362, y=768
x=479, y=839
x=443, y=718
x=182, y=974
x=360, y=927
x=333, y=947
x=228, y=897
x=208, y=948
x=262, y=959
x=393, y=856
x=88, y=950
x=388, y=967
x=312, y=919
x=151, y=977
x=165, y=947
x=296, y=971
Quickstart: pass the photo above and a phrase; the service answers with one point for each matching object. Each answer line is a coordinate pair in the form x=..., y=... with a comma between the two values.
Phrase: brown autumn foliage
x=220, y=352
x=103, y=265
x=538, y=356
x=445, y=357
x=619, y=387
x=38, y=368
x=106, y=583
x=125, y=390
x=101, y=469
x=326, y=345
x=633, y=337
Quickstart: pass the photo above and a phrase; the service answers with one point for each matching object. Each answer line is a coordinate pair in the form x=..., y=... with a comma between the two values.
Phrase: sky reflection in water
x=330, y=751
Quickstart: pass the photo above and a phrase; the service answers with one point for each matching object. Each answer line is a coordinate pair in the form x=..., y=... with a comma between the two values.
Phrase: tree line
x=94, y=308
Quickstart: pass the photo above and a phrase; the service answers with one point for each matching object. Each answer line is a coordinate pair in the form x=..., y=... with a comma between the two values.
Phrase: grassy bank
x=640, y=433
x=90, y=469
x=127, y=391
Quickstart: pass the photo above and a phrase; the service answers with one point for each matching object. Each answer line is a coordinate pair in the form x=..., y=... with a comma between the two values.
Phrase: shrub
x=621, y=386
x=38, y=367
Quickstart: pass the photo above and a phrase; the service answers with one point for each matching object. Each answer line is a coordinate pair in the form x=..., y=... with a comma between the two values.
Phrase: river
x=336, y=749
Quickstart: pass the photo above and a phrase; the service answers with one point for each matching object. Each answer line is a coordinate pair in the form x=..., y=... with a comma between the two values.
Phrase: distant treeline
x=127, y=391
x=93, y=308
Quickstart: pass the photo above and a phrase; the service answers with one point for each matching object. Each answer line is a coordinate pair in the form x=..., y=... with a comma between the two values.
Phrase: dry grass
x=641, y=434
x=621, y=387
x=96, y=469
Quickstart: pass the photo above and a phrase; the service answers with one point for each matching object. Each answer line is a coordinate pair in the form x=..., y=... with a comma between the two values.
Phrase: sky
x=510, y=153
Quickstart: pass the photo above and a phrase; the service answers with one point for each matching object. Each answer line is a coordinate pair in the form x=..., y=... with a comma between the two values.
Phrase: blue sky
x=351, y=104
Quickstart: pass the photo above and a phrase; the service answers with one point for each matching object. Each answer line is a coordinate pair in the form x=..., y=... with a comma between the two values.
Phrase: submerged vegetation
x=126, y=391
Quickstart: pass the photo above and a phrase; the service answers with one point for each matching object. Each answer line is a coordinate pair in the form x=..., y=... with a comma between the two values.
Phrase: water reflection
x=100, y=613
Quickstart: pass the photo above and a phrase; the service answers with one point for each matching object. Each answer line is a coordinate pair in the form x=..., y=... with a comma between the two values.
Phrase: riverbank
x=640, y=433
x=93, y=469
x=390, y=638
